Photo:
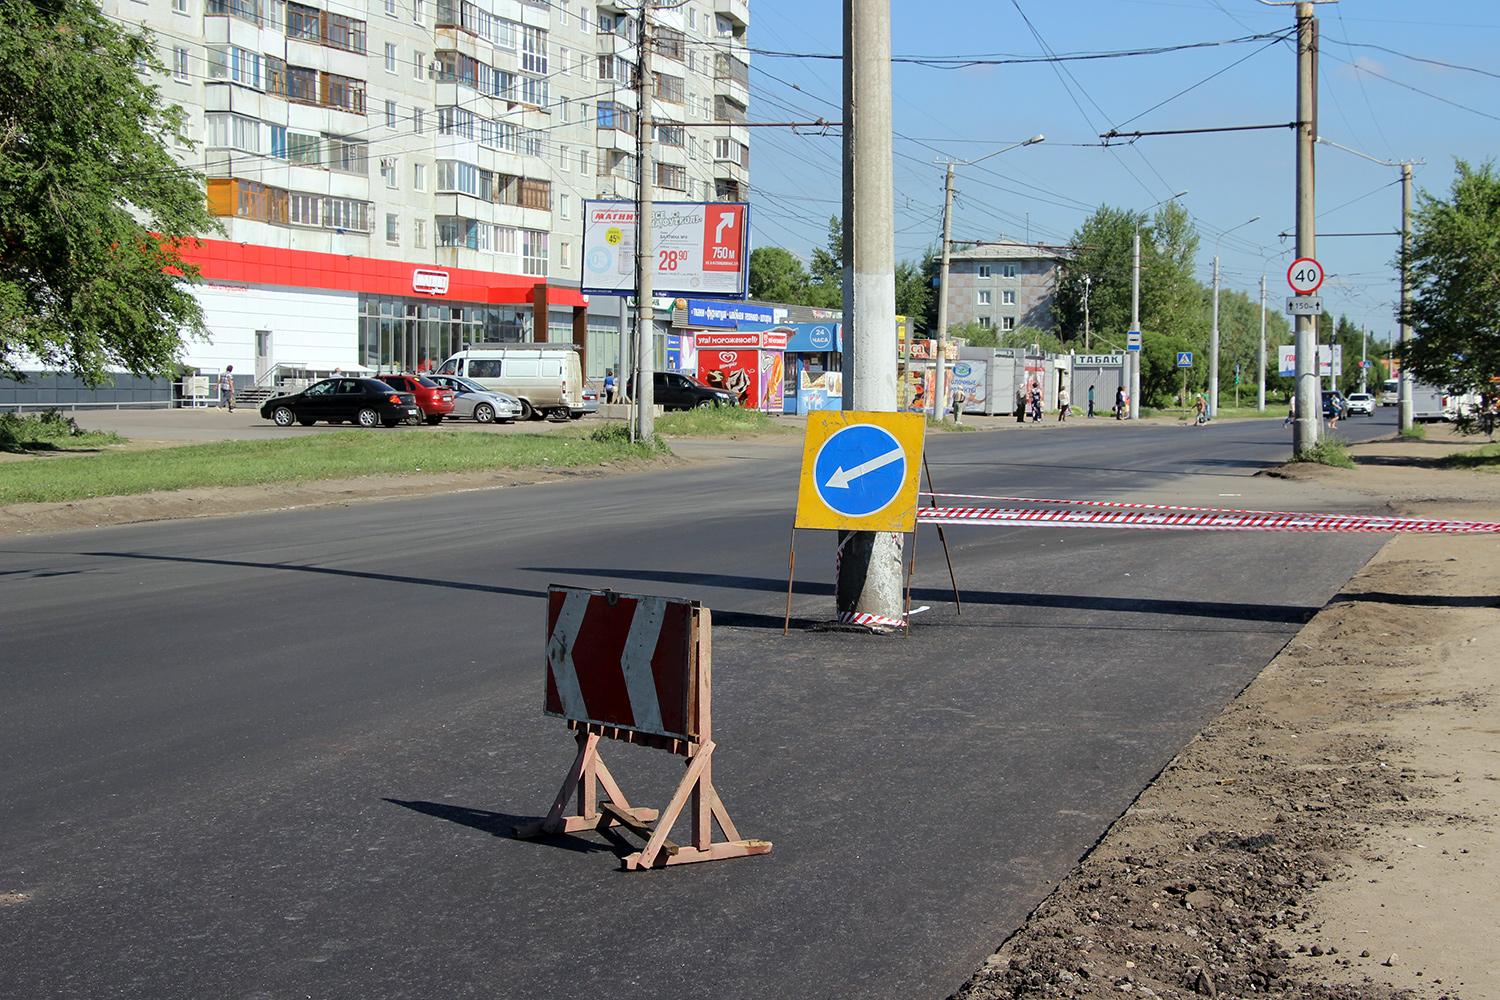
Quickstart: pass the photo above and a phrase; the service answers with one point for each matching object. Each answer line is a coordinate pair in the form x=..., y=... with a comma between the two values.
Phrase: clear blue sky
x=1043, y=192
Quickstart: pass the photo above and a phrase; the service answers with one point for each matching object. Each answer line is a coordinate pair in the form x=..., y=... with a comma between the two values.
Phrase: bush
x=618, y=433
x=41, y=431
x=1331, y=450
x=1416, y=432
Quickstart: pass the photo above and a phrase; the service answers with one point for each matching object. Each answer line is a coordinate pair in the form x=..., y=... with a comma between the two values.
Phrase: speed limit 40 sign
x=1305, y=275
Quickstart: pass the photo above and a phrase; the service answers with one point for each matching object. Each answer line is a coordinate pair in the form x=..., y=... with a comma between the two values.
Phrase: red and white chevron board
x=1224, y=521
x=1131, y=505
x=621, y=660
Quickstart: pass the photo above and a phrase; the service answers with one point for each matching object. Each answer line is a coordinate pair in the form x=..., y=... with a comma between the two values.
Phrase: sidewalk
x=1335, y=833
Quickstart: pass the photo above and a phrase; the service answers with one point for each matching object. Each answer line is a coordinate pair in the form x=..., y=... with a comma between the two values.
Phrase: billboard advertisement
x=1330, y=360
x=968, y=377
x=697, y=248
x=699, y=313
x=755, y=376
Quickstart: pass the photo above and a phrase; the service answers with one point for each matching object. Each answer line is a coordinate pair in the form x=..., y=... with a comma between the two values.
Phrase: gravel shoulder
x=1335, y=832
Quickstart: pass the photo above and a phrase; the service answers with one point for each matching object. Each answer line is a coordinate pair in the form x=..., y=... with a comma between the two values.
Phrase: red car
x=435, y=401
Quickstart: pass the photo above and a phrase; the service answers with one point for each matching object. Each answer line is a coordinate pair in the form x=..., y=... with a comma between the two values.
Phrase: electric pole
x=1260, y=368
x=1406, y=402
x=645, y=259
x=1134, y=357
x=869, y=567
x=1309, y=398
x=939, y=378
x=1088, y=284
x=1213, y=351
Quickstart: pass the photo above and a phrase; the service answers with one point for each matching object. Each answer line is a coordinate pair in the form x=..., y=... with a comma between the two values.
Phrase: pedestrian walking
x=1120, y=404
x=609, y=385
x=1291, y=410
x=1333, y=412
x=1036, y=402
x=226, y=387
x=1062, y=404
x=1021, y=405
x=1091, y=402
x=1200, y=408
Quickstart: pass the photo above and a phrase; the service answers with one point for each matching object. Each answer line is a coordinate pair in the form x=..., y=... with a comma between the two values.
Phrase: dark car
x=675, y=391
x=364, y=401
x=1332, y=397
x=435, y=400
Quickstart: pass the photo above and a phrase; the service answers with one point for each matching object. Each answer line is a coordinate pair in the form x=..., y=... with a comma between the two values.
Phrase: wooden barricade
x=636, y=669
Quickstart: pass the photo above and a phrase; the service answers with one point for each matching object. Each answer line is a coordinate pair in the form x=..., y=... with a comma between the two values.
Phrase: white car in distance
x=1361, y=402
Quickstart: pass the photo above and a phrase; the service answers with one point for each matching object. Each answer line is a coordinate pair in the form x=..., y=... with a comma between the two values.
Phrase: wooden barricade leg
x=583, y=780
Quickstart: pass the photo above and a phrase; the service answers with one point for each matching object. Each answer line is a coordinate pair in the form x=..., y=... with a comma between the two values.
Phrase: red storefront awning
x=248, y=263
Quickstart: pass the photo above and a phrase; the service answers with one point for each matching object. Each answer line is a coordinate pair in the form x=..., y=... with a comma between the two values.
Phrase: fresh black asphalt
x=279, y=755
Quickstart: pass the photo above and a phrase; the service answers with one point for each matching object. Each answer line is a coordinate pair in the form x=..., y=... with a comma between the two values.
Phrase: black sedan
x=364, y=401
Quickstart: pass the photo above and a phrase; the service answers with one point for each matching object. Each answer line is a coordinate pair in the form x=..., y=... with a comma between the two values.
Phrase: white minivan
x=546, y=378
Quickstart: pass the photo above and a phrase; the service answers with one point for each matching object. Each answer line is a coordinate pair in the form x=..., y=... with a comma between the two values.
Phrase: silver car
x=472, y=400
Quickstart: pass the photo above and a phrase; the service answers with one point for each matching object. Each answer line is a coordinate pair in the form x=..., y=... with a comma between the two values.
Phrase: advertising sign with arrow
x=859, y=471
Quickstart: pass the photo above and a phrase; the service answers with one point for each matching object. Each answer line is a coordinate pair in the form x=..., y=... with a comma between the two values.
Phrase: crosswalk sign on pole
x=860, y=470
x=1184, y=359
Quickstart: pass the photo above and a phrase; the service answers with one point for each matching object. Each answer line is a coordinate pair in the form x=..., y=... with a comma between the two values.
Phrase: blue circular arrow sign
x=860, y=470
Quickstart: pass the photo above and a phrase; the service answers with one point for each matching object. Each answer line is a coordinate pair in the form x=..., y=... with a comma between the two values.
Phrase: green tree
x=827, y=268
x=1454, y=266
x=975, y=334
x=913, y=294
x=90, y=200
x=776, y=275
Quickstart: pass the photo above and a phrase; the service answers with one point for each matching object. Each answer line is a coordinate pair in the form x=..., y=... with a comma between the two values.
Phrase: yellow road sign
x=859, y=471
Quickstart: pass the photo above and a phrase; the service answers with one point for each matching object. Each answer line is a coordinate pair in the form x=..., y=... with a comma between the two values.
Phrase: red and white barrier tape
x=1128, y=505
x=869, y=621
x=1216, y=521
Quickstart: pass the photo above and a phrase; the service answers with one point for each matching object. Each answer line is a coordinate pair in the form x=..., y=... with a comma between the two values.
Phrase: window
x=180, y=65
x=278, y=141
x=1008, y=270
x=390, y=114
x=418, y=122
x=226, y=131
x=669, y=135
x=583, y=161
x=730, y=151
x=179, y=6
x=612, y=115
x=671, y=177
x=304, y=149
x=565, y=255
x=670, y=43
x=1008, y=297
x=419, y=177
x=392, y=228
x=388, y=170
x=984, y=298
x=534, y=91
x=237, y=64
x=419, y=233
x=418, y=65
x=390, y=7
x=533, y=49
x=346, y=33
x=307, y=209
x=245, y=10
x=418, y=11
x=1007, y=322
x=984, y=270
x=986, y=322
x=564, y=209
x=565, y=58
x=346, y=213
x=536, y=194
x=348, y=156
x=505, y=240
x=564, y=159
x=303, y=22
x=390, y=57
x=533, y=252
x=669, y=89
x=341, y=92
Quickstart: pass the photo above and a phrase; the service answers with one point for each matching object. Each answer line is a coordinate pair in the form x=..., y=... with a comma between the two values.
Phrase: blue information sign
x=1184, y=359
x=860, y=470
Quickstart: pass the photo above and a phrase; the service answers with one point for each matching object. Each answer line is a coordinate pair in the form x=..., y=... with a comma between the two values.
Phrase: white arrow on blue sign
x=860, y=470
x=1184, y=359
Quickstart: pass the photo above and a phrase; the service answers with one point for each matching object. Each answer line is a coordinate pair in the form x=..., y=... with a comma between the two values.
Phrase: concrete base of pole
x=869, y=577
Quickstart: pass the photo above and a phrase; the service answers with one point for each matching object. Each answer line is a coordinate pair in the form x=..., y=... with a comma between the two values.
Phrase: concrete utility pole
x=1088, y=284
x=1260, y=367
x=1213, y=351
x=1309, y=399
x=869, y=570
x=939, y=378
x=1406, y=401
x=645, y=263
x=1133, y=358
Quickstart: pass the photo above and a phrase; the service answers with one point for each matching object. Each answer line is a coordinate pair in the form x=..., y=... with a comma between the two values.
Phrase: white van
x=546, y=378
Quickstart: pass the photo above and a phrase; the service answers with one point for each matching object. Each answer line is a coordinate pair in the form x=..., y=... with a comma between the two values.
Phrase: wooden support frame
x=695, y=792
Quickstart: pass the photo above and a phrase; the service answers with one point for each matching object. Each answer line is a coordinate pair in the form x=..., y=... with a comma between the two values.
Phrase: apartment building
x=1003, y=285
x=396, y=178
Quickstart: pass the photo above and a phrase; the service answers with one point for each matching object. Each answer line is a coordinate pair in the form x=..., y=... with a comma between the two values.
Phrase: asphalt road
x=279, y=755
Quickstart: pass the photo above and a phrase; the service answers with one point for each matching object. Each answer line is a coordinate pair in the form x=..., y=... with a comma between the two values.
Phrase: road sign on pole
x=1305, y=305
x=1133, y=340
x=1184, y=359
x=859, y=471
x=1305, y=276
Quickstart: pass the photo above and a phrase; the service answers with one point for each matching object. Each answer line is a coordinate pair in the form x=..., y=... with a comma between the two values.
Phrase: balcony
x=737, y=11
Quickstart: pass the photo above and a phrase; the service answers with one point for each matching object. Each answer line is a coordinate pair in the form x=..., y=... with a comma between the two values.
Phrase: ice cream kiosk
x=749, y=363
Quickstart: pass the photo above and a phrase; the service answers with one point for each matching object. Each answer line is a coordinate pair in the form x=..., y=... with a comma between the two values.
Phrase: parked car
x=470, y=399
x=1332, y=397
x=590, y=402
x=435, y=401
x=1361, y=402
x=546, y=378
x=676, y=391
x=364, y=401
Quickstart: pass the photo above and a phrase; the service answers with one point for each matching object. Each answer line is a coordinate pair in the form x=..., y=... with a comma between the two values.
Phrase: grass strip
x=316, y=456
x=1485, y=457
x=728, y=421
x=1329, y=450
x=49, y=431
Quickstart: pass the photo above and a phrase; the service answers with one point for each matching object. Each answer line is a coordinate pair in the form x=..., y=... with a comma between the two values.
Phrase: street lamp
x=1213, y=340
x=939, y=394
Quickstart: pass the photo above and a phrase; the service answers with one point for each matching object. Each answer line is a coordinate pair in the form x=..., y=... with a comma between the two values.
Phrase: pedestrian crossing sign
x=860, y=471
